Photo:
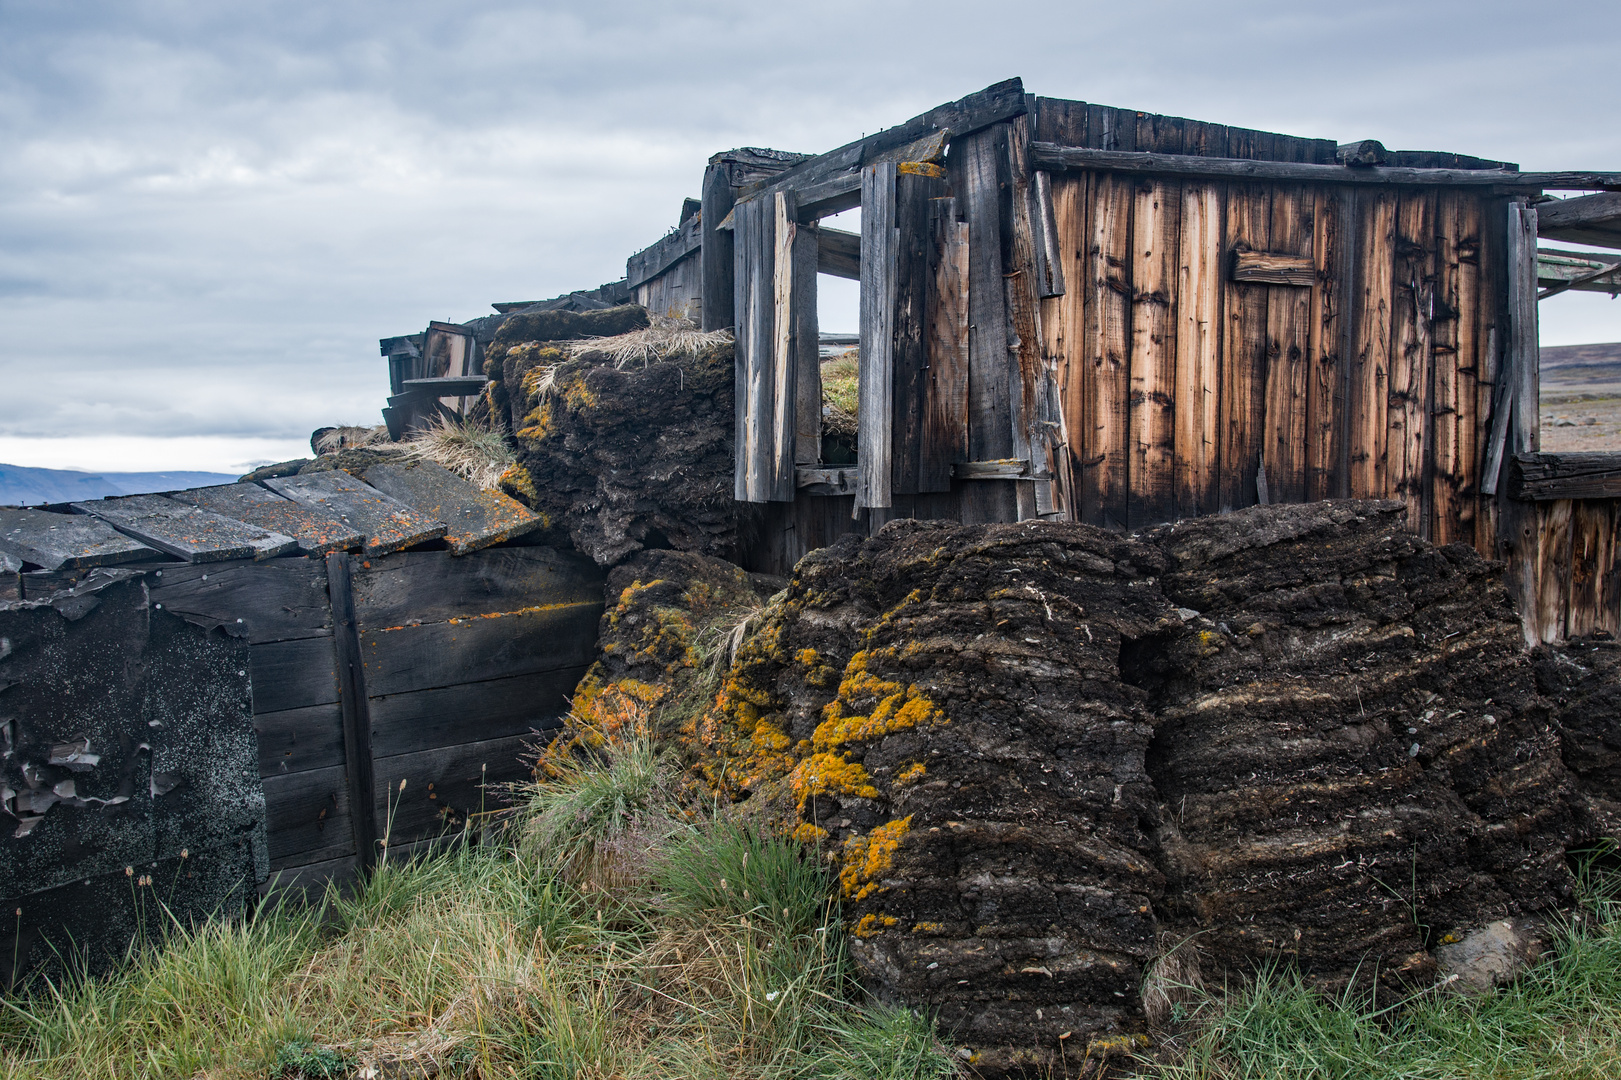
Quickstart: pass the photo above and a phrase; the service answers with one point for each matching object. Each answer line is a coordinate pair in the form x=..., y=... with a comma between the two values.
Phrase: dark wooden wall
x=461, y=659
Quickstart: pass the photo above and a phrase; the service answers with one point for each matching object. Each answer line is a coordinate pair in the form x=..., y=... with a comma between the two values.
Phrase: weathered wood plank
x=1063, y=320
x=355, y=709
x=1332, y=260
x=297, y=740
x=1151, y=439
x=186, y=532
x=658, y=257
x=976, y=162
x=1198, y=335
x=476, y=647
x=275, y=600
x=1032, y=438
x=307, y=883
x=446, y=785
x=1411, y=358
x=67, y=541
x=784, y=348
x=715, y=252
x=307, y=817
x=1055, y=158
x=753, y=277
x=1104, y=420
x=807, y=346
x=387, y=523
x=1552, y=560
x=945, y=412
x=915, y=189
x=315, y=533
x=293, y=674
x=473, y=517
x=1049, y=248
x=827, y=480
x=431, y=586
x=1457, y=365
x=1586, y=219
x=879, y=255
x=1275, y=267
x=1244, y=360
x=1523, y=361
x=1368, y=402
x=514, y=705
x=1542, y=477
x=1592, y=540
x=1288, y=345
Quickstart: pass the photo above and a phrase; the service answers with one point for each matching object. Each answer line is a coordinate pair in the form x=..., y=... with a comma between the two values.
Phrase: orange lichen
x=871, y=925
x=806, y=833
x=830, y=774
x=866, y=857
x=910, y=775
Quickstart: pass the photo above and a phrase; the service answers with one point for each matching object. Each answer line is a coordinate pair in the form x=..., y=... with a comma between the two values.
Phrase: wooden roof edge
x=665, y=252
x=1053, y=157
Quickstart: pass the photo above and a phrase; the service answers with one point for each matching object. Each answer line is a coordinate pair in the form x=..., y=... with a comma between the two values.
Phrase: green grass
x=1562, y=1019
x=593, y=938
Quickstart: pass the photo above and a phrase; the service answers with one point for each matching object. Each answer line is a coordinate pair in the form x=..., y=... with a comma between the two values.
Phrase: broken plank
x=387, y=524
x=274, y=600
x=186, y=532
x=838, y=253
x=474, y=517
x=316, y=534
x=67, y=541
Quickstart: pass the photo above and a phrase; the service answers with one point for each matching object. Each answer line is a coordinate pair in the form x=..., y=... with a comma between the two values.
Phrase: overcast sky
x=210, y=212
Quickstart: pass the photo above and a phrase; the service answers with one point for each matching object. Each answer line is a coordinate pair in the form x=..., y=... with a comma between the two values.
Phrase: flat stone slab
x=67, y=541
x=474, y=518
x=186, y=532
x=387, y=523
x=317, y=533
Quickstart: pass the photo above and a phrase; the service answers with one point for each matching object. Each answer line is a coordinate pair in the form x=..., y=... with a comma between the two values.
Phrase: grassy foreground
x=608, y=932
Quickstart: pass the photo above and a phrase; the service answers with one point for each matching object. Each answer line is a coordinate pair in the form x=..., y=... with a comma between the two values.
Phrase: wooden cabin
x=1084, y=313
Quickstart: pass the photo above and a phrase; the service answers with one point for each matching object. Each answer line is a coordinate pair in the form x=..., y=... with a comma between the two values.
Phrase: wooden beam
x=997, y=102
x=1542, y=477
x=784, y=349
x=1272, y=268
x=838, y=253
x=826, y=480
x=715, y=249
x=1586, y=219
x=807, y=345
x=655, y=259
x=1522, y=360
x=1558, y=271
x=1049, y=248
x=1053, y=157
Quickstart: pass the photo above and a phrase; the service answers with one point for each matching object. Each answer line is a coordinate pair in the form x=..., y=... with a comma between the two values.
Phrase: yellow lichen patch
x=830, y=774
x=872, y=925
x=579, y=398
x=806, y=657
x=899, y=711
x=910, y=775
x=806, y=833
x=518, y=483
x=601, y=716
x=866, y=857
x=929, y=928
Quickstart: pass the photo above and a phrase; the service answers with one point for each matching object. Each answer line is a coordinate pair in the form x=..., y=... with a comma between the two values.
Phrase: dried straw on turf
x=478, y=454
x=350, y=438
x=665, y=336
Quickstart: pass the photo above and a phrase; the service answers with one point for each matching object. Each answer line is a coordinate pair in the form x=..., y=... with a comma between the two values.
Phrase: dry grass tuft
x=840, y=394
x=478, y=453
x=334, y=439
x=665, y=336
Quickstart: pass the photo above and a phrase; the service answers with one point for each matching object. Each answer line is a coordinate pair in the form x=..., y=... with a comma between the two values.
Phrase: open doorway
x=838, y=315
x=1579, y=323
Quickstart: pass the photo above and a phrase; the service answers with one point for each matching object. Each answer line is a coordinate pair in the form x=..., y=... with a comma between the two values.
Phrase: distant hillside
x=21, y=486
x=1564, y=356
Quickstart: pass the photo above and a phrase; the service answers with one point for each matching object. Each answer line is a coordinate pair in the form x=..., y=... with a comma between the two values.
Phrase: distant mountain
x=21, y=486
x=1563, y=356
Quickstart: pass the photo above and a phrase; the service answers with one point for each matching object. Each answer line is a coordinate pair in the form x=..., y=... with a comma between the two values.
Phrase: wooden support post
x=754, y=283
x=945, y=414
x=357, y=760
x=784, y=350
x=916, y=189
x=715, y=256
x=807, y=346
x=1528, y=539
x=876, y=410
x=976, y=179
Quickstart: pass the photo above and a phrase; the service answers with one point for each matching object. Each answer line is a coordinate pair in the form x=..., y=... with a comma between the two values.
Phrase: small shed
x=1080, y=312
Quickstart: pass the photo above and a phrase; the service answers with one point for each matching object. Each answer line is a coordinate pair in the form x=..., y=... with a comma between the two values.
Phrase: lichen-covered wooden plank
x=316, y=533
x=387, y=524
x=474, y=517
x=67, y=541
x=185, y=531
